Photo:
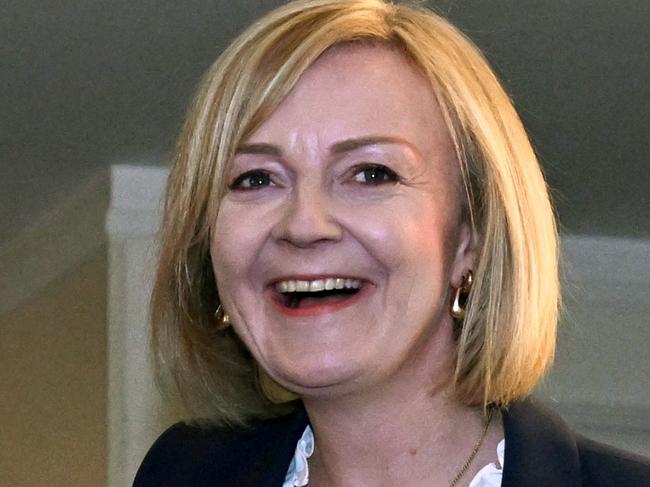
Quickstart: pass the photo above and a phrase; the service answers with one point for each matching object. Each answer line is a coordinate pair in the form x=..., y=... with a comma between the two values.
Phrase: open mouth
x=316, y=294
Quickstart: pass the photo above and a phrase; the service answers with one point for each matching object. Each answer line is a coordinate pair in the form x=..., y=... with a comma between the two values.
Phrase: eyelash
x=370, y=171
x=237, y=184
x=390, y=176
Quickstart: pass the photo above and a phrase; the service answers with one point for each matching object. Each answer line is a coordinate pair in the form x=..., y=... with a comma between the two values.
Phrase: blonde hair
x=507, y=338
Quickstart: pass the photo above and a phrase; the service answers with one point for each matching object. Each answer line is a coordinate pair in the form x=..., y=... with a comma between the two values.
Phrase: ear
x=465, y=253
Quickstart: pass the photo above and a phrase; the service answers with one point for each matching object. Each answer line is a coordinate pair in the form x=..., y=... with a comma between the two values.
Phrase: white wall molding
x=136, y=200
x=596, y=259
x=601, y=379
x=136, y=411
x=54, y=243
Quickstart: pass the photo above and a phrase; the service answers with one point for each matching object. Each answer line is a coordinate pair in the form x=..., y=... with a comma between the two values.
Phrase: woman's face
x=351, y=183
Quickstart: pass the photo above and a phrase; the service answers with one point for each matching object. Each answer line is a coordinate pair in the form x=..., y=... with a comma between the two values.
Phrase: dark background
x=88, y=83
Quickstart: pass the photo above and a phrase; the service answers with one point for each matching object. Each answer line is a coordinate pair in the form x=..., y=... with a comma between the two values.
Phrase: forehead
x=355, y=91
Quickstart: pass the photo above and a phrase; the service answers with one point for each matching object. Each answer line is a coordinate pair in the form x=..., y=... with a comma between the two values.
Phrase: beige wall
x=53, y=383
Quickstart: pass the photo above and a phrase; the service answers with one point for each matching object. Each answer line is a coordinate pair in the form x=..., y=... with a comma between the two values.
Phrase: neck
x=407, y=432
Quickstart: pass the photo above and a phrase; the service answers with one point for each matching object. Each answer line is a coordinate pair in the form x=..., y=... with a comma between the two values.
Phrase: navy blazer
x=541, y=451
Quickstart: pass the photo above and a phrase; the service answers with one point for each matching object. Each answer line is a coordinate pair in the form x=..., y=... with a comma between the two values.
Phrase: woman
x=358, y=277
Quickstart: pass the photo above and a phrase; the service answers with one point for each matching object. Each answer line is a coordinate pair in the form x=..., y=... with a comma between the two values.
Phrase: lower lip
x=319, y=309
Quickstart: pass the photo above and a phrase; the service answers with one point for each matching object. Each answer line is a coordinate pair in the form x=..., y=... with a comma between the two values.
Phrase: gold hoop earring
x=223, y=318
x=458, y=303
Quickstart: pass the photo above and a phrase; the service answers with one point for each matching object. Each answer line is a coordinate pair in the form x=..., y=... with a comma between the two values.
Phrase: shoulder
x=187, y=455
x=542, y=450
x=603, y=465
x=184, y=454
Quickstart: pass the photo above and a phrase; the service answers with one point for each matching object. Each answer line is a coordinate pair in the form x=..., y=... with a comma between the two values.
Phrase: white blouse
x=298, y=473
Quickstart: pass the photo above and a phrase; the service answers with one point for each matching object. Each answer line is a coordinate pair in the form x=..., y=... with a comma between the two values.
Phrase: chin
x=317, y=376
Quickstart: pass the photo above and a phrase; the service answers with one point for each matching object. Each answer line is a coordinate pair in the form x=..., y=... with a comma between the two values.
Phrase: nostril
x=307, y=220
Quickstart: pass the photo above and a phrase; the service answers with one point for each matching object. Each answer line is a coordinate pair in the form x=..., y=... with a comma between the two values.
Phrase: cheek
x=233, y=244
x=415, y=236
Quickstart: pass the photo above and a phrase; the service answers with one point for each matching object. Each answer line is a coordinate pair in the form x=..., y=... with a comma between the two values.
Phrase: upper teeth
x=292, y=286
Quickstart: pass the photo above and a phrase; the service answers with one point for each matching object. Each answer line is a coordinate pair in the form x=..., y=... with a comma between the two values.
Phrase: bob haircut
x=506, y=341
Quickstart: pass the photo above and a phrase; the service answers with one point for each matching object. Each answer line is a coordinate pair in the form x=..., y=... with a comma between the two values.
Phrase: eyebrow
x=344, y=146
x=260, y=148
x=359, y=142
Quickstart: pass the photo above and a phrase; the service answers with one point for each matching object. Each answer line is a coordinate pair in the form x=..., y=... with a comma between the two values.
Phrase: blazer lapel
x=271, y=451
x=540, y=448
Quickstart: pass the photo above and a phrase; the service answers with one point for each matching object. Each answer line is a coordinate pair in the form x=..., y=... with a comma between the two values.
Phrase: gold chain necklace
x=477, y=447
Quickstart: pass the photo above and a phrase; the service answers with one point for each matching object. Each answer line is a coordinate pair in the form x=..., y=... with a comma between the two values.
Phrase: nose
x=307, y=218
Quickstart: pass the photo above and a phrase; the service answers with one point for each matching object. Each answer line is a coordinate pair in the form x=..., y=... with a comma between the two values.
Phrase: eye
x=251, y=180
x=374, y=174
